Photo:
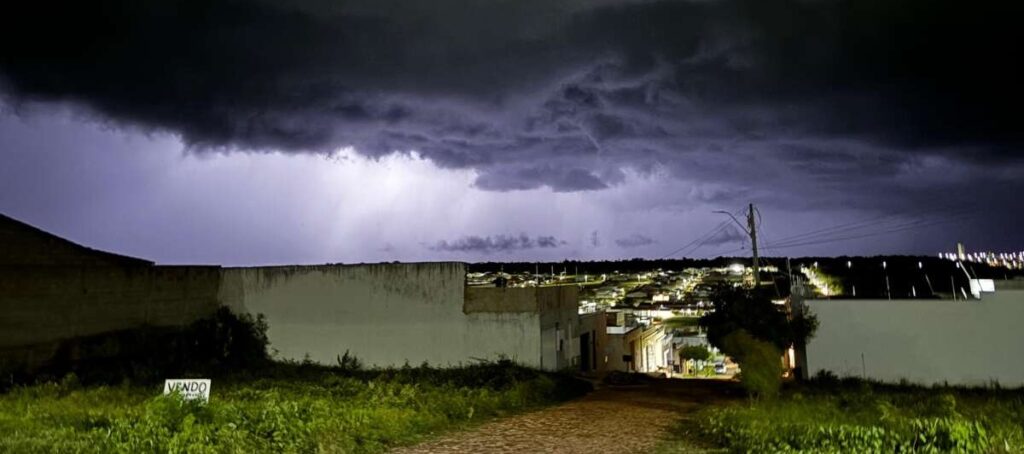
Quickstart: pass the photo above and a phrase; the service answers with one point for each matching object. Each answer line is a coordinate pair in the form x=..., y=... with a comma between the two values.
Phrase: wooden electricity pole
x=749, y=229
x=752, y=230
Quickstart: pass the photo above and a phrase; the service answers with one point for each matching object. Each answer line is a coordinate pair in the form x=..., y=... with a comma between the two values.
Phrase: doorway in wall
x=585, y=352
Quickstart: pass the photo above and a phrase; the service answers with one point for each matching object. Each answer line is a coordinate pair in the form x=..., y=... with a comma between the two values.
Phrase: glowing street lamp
x=849, y=266
x=888, y=291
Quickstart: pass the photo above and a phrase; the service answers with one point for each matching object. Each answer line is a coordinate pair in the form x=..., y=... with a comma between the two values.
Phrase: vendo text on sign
x=189, y=388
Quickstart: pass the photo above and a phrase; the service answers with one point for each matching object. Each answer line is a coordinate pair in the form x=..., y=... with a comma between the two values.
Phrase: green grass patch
x=280, y=408
x=862, y=417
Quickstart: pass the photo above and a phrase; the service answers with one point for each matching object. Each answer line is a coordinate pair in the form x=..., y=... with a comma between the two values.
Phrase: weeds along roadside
x=850, y=415
x=259, y=405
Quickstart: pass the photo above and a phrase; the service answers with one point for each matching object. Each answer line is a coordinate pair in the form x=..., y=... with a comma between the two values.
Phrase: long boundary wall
x=384, y=314
x=923, y=341
x=42, y=308
x=56, y=295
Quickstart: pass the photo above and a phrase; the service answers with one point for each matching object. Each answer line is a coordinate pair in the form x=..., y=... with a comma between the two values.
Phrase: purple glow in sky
x=246, y=133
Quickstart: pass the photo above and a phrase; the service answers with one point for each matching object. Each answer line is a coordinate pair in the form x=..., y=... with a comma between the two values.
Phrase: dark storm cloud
x=497, y=243
x=560, y=94
x=634, y=240
x=729, y=234
x=535, y=177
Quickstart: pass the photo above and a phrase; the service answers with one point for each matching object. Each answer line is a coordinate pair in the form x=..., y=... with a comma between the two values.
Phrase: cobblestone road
x=620, y=420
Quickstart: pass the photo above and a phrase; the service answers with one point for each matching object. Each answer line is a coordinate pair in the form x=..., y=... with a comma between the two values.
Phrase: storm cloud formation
x=496, y=243
x=727, y=235
x=804, y=102
x=634, y=240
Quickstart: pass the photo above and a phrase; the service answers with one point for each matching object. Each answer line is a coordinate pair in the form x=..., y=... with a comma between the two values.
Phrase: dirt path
x=620, y=420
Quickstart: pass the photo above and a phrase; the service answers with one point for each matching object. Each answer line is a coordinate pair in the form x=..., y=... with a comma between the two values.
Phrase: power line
x=739, y=249
x=901, y=225
x=909, y=226
x=705, y=241
x=698, y=242
x=868, y=223
x=712, y=231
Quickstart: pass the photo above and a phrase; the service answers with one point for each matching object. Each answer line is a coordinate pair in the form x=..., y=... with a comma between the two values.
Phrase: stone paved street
x=620, y=420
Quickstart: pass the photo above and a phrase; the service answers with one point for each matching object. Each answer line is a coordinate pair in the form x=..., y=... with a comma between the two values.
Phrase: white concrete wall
x=385, y=314
x=924, y=341
x=615, y=348
x=560, y=326
x=652, y=350
x=594, y=324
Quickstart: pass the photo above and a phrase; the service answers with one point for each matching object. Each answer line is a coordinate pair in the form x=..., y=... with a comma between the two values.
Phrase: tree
x=695, y=352
x=747, y=326
x=754, y=312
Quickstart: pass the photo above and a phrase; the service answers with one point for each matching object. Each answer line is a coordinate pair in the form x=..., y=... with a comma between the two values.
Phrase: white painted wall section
x=385, y=314
x=973, y=342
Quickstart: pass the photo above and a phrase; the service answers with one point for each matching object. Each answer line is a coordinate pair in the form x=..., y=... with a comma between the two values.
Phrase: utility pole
x=749, y=229
x=752, y=225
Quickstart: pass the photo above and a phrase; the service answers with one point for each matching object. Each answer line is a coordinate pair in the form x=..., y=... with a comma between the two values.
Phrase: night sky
x=245, y=133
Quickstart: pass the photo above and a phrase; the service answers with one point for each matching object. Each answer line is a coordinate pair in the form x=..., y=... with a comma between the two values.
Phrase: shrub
x=825, y=378
x=209, y=346
x=349, y=362
x=760, y=363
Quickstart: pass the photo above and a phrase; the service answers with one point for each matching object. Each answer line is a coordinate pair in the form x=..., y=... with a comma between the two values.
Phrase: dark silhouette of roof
x=24, y=245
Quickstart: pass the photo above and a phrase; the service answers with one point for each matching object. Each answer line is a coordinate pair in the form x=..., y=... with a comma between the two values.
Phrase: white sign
x=189, y=388
x=987, y=285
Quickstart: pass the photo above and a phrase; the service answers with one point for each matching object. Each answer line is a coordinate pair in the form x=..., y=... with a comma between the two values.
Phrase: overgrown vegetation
x=222, y=342
x=761, y=375
x=283, y=408
x=747, y=326
x=256, y=405
x=855, y=416
x=754, y=312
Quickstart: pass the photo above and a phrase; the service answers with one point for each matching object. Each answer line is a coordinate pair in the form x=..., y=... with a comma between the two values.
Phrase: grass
x=863, y=417
x=281, y=408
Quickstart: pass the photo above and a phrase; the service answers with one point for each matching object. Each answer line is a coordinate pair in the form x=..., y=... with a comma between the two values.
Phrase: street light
x=888, y=292
x=849, y=266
